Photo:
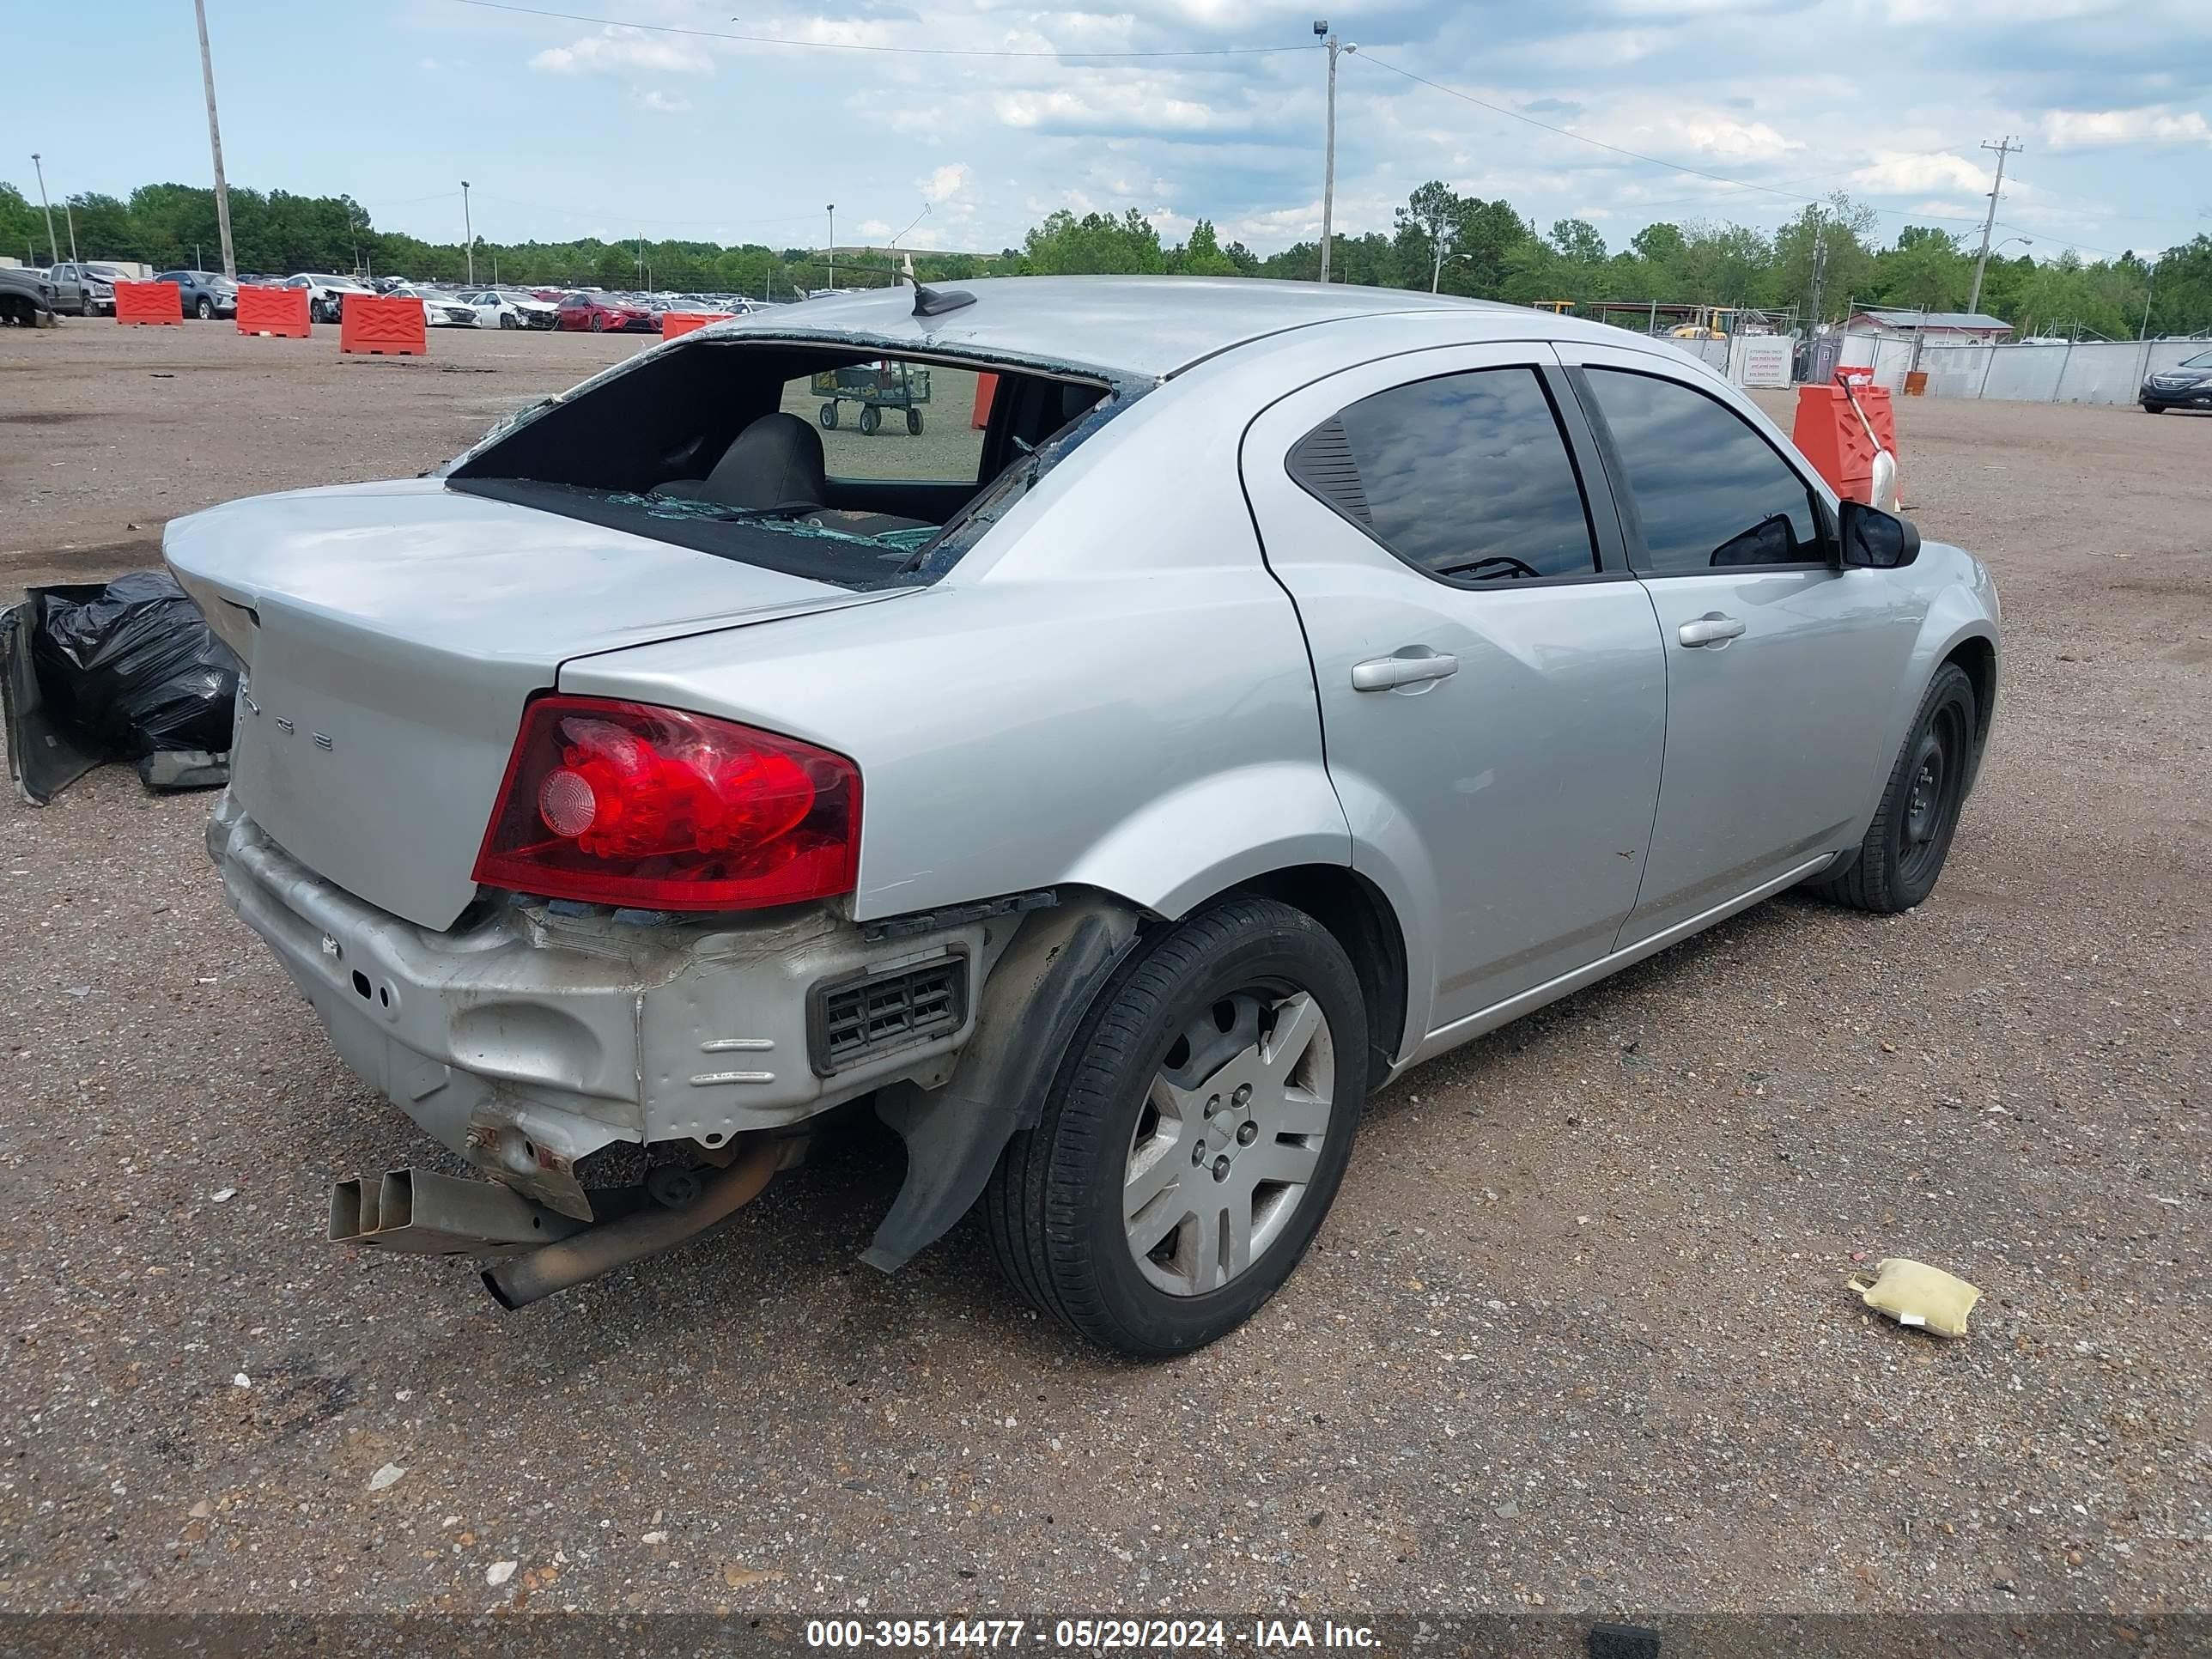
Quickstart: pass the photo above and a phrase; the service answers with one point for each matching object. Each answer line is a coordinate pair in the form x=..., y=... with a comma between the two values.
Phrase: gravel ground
x=1575, y=1337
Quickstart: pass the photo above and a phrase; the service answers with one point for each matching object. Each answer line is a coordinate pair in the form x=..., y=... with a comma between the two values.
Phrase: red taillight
x=625, y=803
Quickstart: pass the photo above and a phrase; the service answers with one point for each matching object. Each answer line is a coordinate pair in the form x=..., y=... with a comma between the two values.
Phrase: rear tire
x=871, y=418
x=1897, y=864
x=829, y=417
x=1239, y=1033
x=913, y=422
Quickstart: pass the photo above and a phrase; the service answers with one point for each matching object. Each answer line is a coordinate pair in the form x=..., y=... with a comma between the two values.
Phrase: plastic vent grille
x=861, y=1018
x=1323, y=462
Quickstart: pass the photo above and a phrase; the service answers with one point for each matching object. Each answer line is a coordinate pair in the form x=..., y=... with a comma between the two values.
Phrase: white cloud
x=615, y=49
x=1896, y=173
x=869, y=229
x=666, y=103
x=1731, y=140
x=2066, y=129
x=944, y=183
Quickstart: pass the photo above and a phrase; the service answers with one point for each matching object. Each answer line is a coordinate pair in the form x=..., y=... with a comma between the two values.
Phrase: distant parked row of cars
x=88, y=290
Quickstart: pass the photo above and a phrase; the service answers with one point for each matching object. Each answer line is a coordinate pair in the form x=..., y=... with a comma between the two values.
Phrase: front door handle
x=1710, y=630
x=1387, y=673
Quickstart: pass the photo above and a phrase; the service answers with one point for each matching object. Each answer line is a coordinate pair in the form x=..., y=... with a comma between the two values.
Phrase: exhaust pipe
x=426, y=1214
x=559, y=1267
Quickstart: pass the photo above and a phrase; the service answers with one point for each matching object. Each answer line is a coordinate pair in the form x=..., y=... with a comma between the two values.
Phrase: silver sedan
x=1234, y=694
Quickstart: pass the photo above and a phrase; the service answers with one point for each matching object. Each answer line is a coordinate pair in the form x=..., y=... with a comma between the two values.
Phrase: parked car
x=1002, y=798
x=204, y=294
x=2187, y=384
x=510, y=307
x=439, y=309
x=85, y=288
x=605, y=314
x=326, y=293
x=27, y=297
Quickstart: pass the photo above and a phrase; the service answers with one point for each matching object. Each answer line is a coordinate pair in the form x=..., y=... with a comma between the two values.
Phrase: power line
x=1788, y=195
x=854, y=45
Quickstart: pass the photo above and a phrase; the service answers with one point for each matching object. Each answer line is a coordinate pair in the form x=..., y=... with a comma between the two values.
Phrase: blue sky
x=568, y=127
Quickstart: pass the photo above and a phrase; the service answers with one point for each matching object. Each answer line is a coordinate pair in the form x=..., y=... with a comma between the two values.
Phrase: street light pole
x=468, y=231
x=69, y=218
x=53, y=248
x=1329, y=152
x=2143, y=332
x=832, y=212
x=215, y=147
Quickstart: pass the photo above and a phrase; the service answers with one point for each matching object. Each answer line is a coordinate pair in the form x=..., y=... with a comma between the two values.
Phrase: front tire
x=1898, y=862
x=204, y=310
x=1195, y=1135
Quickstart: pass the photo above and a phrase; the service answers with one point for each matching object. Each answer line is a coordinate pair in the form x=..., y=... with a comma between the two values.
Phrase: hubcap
x=1229, y=1139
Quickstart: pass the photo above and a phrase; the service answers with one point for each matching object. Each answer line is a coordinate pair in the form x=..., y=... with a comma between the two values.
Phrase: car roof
x=1145, y=327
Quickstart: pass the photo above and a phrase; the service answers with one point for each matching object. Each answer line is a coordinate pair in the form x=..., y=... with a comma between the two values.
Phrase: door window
x=1710, y=492
x=1465, y=478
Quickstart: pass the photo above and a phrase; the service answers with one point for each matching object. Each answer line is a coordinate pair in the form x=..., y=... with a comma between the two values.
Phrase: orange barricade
x=673, y=323
x=1829, y=433
x=987, y=387
x=382, y=328
x=278, y=312
x=148, y=302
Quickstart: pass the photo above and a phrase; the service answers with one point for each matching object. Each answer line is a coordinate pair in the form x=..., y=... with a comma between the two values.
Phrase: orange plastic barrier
x=148, y=302
x=987, y=387
x=382, y=328
x=673, y=323
x=1829, y=433
x=274, y=313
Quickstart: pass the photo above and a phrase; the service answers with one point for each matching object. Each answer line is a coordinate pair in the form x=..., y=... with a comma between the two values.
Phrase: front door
x=1781, y=666
x=1492, y=683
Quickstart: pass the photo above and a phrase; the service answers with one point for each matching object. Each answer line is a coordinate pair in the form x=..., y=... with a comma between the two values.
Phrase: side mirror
x=1877, y=540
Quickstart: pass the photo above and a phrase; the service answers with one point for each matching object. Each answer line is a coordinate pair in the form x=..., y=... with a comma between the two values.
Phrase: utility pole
x=2149, y=289
x=468, y=233
x=69, y=217
x=53, y=248
x=832, y=212
x=2004, y=147
x=1820, y=263
x=1329, y=152
x=215, y=147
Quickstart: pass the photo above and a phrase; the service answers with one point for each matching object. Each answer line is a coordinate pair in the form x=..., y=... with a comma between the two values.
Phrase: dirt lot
x=1575, y=1336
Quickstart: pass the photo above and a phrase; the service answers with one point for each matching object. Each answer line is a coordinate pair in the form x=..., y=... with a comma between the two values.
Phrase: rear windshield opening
x=820, y=461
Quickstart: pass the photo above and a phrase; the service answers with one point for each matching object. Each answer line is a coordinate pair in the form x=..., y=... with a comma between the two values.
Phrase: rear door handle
x=1387, y=673
x=1713, y=629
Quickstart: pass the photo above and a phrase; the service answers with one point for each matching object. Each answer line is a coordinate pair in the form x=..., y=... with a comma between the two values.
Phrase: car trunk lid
x=392, y=634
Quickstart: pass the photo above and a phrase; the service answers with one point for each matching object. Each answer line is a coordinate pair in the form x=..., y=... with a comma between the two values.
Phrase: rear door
x=1781, y=665
x=1490, y=679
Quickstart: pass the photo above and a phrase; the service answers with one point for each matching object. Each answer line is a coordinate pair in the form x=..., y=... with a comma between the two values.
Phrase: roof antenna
x=936, y=301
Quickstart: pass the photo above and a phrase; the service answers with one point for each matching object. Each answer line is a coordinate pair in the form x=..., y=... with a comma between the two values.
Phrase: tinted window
x=1708, y=491
x=1464, y=476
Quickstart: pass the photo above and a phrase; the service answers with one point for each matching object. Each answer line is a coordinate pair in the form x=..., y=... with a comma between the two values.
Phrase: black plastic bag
x=135, y=671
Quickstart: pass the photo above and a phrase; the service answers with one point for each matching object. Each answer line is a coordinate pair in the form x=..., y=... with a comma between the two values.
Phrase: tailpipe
x=425, y=1214
x=594, y=1250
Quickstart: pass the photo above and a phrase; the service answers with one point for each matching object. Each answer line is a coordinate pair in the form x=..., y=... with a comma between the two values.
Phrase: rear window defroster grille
x=857, y=1020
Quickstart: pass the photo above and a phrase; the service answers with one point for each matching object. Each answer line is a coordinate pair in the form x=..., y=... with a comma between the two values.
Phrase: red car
x=602, y=314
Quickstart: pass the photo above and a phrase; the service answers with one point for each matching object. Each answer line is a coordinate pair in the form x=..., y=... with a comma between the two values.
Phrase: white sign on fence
x=1763, y=360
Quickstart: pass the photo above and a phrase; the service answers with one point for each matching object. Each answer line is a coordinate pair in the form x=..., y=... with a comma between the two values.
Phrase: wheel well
x=1978, y=658
x=1355, y=911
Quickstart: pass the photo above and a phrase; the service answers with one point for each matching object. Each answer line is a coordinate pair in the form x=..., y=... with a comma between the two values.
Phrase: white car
x=439, y=308
x=326, y=293
x=510, y=307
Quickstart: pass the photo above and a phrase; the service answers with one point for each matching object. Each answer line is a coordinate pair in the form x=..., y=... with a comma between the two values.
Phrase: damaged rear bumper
x=525, y=1039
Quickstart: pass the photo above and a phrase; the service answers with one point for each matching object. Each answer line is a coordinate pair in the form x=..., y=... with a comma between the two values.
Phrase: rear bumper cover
x=527, y=1040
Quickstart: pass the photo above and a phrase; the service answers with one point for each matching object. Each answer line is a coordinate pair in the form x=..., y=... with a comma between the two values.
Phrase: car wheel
x=1195, y=1136
x=1896, y=866
x=871, y=418
x=205, y=309
x=913, y=422
x=507, y=321
x=2154, y=408
x=85, y=307
x=829, y=417
x=599, y=324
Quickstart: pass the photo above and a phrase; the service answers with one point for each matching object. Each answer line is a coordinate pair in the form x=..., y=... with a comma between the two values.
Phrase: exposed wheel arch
x=1353, y=909
x=1979, y=659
